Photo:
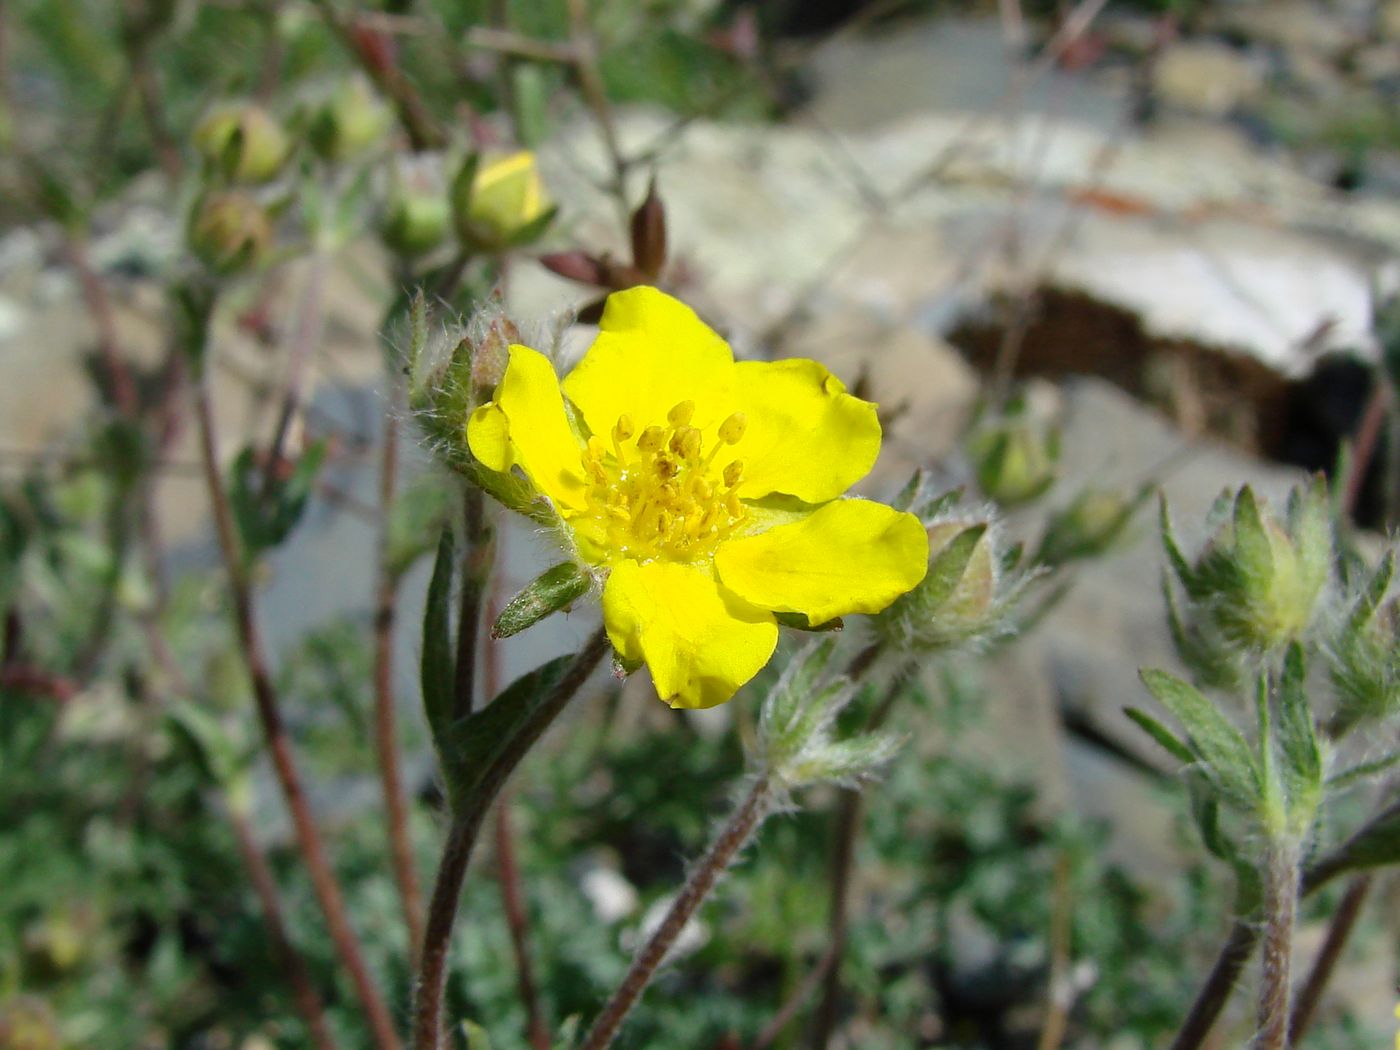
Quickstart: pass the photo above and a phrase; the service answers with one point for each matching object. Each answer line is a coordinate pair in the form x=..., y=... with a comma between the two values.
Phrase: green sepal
x=473, y=744
x=799, y=622
x=437, y=667
x=554, y=589
x=948, y=567
x=1216, y=743
x=1254, y=557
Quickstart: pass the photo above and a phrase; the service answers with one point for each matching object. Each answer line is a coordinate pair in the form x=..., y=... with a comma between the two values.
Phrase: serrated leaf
x=437, y=668
x=1221, y=747
x=1173, y=745
x=474, y=742
x=554, y=589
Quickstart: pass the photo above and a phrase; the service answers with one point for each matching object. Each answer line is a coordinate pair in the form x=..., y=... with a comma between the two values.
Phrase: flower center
x=659, y=493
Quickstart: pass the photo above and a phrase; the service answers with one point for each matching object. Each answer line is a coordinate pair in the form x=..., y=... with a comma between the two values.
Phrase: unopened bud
x=500, y=203
x=555, y=589
x=244, y=143
x=1087, y=527
x=415, y=222
x=230, y=232
x=350, y=121
x=649, y=234
x=577, y=266
x=1015, y=462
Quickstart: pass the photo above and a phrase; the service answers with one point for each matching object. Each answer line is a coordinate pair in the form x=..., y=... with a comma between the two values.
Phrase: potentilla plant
x=1260, y=755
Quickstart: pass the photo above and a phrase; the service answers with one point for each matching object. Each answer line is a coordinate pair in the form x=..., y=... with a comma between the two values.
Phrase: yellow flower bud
x=503, y=204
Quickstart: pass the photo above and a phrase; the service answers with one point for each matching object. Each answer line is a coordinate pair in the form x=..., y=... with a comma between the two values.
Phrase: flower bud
x=649, y=234
x=244, y=143
x=965, y=599
x=351, y=120
x=230, y=232
x=500, y=203
x=1015, y=460
x=1087, y=527
x=415, y=222
x=554, y=589
x=1258, y=580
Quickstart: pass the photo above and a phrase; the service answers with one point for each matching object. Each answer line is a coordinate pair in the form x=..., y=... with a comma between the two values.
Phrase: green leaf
x=416, y=520
x=437, y=669
x=267, y=510
x=1165, y=737
x=1217, y=743
x=1178, y=561
x=1362, y=771
x=554, y=589
x=474, y=742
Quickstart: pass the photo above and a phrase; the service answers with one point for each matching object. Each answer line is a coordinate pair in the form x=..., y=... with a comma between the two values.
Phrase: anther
x=623, y=428
x=681, y=414
x=651, y=440
x=733, y=473
x=685, y=442
x=731, y=431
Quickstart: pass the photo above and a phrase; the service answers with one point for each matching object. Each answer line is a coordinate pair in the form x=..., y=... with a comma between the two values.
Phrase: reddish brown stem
x=1343, y=922
x=99, y=307
x=431, y=984
x=385, y=730
x=1280, y=911
x=513, y=900
x=323, y=880
x=811, y=981
x=265, y=885
x=732, y=837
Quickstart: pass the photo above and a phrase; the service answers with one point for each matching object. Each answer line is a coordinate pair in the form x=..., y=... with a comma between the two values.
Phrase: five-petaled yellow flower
x=704, y=492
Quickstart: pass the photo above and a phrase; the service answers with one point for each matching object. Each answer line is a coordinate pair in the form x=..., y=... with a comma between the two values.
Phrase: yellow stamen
x=731, y=431
x=681, y=414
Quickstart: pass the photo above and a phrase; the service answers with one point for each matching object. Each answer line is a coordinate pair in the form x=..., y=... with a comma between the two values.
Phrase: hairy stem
x=1343, y=922
x=385, y=731
x=461, y=840
x=1280, y=914
x=308, y=1003
x=477, y=557
x=278, y=742
x=732, y=837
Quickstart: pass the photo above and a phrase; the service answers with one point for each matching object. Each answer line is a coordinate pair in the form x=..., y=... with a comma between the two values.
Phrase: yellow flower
x=703, y=491
x=504, y=200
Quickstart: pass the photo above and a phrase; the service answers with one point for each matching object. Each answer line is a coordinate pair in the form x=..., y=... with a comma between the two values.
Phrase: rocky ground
x=933, y=178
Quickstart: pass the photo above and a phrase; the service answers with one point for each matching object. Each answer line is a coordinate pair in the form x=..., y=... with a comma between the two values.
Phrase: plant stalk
x=385, y=731
x=739, y=829
x=466, y=825
x=323, y=879
x=1280, y=915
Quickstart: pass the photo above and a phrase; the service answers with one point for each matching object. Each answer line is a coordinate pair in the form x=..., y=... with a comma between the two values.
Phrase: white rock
x=1206, y=78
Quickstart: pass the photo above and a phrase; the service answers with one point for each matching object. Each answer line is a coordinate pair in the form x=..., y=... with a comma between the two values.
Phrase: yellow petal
x=528, y=413
x=651, y=354
x=488, y=436
x=849, y=556
x=806, y=436
x=700, y=642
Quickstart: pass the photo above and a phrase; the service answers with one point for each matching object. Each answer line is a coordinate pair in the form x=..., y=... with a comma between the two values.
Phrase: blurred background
x=1173, y=225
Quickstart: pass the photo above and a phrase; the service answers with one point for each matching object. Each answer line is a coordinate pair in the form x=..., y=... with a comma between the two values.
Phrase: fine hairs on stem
x=737, y=831
x=1280, y=911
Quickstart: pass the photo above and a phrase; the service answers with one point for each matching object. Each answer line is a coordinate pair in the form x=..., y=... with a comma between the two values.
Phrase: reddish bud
x=649, y=234
x=576, y=266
